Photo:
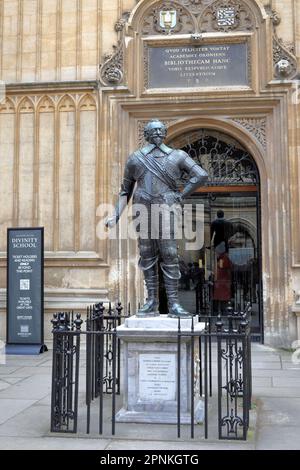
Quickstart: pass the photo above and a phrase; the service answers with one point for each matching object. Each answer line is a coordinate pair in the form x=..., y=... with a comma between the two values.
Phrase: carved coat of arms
x=167, y=19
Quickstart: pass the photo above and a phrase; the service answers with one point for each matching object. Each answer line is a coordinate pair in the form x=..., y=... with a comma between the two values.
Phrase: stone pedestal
x=149, y=352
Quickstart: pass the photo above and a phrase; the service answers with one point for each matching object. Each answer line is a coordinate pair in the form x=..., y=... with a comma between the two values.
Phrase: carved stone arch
x=87, y=103
x=66, y=104
x=145, y=18
x=46, y=105
x=26, y=105
x=248, y=15
x=230, y=128
x=256, y=126
x=7, y=107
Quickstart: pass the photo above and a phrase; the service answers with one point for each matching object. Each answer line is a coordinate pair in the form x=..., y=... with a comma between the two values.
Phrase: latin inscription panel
x=196, y=66
x=157, y=377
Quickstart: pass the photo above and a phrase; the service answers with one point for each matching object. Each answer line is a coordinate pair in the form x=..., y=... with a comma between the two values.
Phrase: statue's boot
x=150, y=308
x=171, y=277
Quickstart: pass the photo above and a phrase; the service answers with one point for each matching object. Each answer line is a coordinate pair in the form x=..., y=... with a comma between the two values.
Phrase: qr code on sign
x=24, y=284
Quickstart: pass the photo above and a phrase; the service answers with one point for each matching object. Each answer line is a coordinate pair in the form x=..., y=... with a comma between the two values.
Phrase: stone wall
x=54, y=40
x=54, y=170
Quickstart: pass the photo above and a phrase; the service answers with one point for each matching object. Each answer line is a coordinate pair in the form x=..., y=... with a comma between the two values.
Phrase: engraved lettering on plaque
x=157, y=377
x=194, y=66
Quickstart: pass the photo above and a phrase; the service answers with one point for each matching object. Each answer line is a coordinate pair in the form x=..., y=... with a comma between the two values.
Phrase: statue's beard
x=157, y=141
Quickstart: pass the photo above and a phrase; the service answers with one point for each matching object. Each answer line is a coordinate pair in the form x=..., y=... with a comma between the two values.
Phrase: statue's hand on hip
x=110, y=222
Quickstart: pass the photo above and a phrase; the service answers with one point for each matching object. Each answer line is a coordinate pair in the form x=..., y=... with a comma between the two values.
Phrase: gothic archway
x=232, y=190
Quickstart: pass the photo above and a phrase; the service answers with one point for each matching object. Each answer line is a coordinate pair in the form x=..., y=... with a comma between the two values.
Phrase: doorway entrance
x=227, y=267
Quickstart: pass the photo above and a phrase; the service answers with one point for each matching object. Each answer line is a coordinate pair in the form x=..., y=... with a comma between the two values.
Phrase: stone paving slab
x=288, y=365
x=286, y=392
x=262, y=382
x=3, y=385
x=46, y=401
x=10, y=407
x=291, y=406
x=266, y=358
x=275, y=438
x=279, y=418
x=35, y=387
x=276, y=373
x=286, y=381
x=31, y=370
x=20, y=361
x=33, y=421
x=178, y=445
x=11, y=379
x=266, y=365
x=5, y=370
x=51, y=443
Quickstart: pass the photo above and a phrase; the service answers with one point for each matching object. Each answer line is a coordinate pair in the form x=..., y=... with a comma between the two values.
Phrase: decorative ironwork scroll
x=225, y=159
x=234, y=375
x=65, y=372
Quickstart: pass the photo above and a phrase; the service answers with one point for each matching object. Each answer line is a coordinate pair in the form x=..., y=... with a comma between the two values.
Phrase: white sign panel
x=157, y=377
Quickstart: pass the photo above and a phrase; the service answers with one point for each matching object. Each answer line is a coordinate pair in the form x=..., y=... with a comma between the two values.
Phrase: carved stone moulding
x=111, y=71
x=227, y=15
x=120, y=24
x=256, y=126
x=273, y=14
x=194, y=16
x=284, y=60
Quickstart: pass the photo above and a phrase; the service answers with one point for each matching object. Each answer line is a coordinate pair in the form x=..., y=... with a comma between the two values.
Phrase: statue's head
x=155, y=132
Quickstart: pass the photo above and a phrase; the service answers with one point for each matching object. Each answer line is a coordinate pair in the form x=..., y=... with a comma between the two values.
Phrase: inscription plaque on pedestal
x=196, y=66
x=157, y=377
x=150, y=367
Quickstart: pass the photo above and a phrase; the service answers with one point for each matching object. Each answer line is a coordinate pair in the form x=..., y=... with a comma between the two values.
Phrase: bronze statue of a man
x=156, y=170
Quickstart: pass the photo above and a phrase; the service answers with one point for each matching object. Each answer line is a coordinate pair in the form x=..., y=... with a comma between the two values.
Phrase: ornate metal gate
x=232, y=190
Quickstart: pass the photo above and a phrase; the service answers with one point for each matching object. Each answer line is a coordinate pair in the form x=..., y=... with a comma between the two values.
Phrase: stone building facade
x=78, y=91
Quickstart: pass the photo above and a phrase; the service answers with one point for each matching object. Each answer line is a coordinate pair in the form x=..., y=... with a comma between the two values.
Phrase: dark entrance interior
x=227, y=265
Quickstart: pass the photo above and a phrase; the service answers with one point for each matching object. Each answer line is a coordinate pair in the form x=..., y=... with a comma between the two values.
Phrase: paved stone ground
x=25, y=385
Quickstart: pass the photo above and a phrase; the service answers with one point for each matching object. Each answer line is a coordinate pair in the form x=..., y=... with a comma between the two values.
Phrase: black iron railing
x=223, y=341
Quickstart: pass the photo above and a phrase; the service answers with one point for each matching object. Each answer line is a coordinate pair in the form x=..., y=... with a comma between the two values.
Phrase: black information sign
x=25, y=286
x=195, y=66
